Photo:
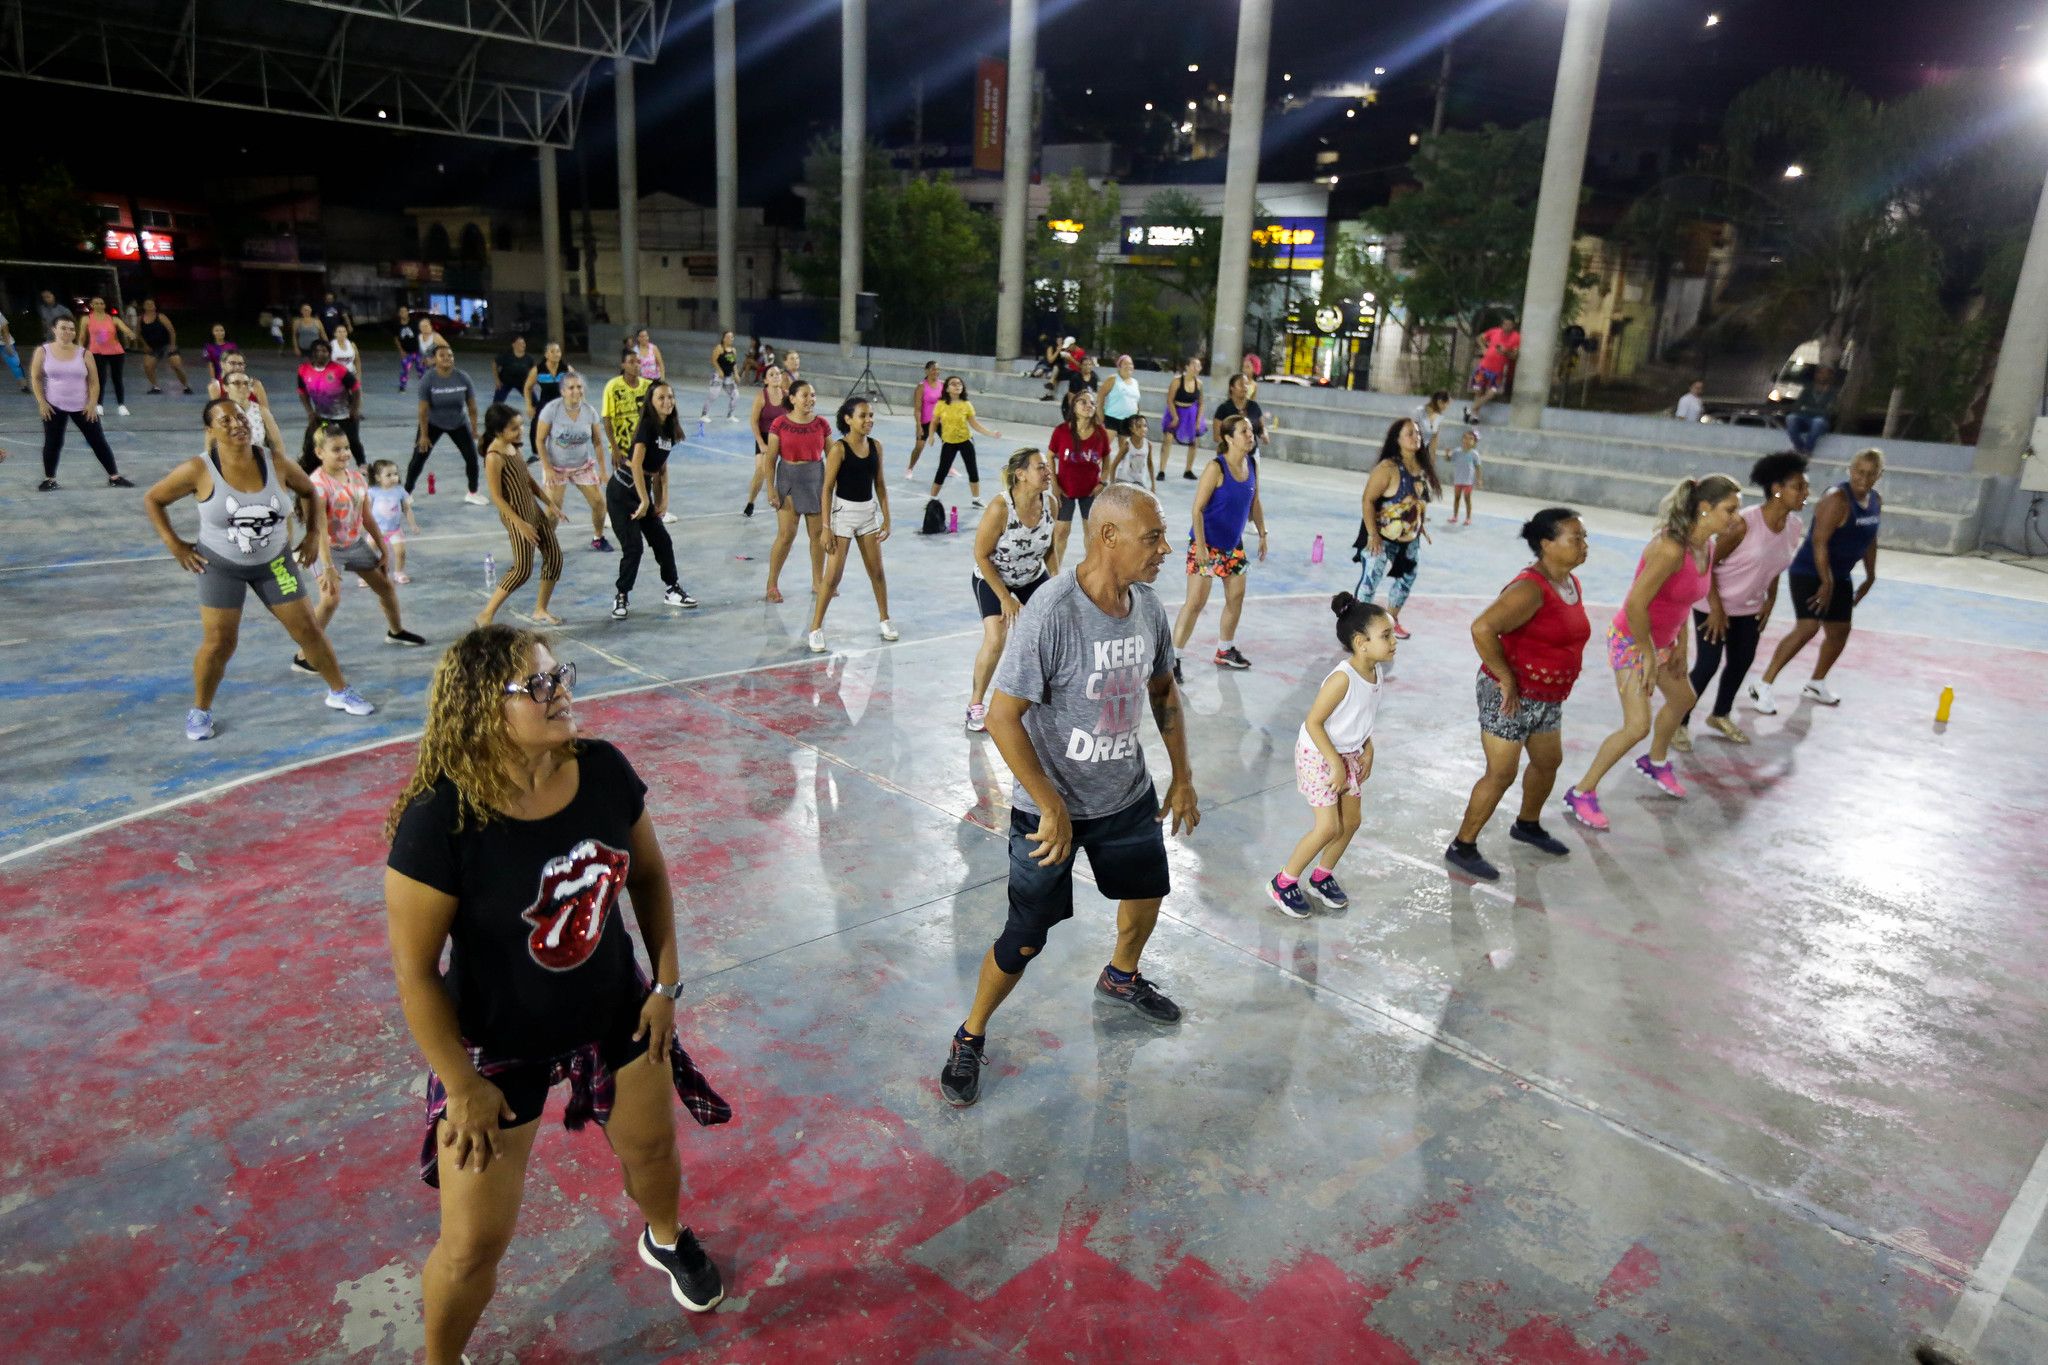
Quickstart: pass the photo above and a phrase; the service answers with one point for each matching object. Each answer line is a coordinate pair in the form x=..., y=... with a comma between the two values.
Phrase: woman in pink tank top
x=107, y=337
x=1646, y=641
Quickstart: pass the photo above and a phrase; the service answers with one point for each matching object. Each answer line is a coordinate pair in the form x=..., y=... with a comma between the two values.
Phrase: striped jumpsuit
x=517, y=486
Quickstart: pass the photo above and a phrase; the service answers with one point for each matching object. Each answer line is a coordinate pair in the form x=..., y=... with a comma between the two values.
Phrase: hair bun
x=1342, y=603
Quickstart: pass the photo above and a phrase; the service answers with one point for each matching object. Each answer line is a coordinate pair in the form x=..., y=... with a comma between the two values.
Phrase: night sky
x=1127, y=51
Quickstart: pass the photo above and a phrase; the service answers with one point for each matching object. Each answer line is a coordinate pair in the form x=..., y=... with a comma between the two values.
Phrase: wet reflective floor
x=1753, y=1076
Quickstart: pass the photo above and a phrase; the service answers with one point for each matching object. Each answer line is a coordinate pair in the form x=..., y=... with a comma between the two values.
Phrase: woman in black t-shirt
x=1240, y=403
x=510, y=845
x=637, y=495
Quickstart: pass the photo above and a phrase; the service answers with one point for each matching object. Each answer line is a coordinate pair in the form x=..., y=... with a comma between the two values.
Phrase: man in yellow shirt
x=622, y=397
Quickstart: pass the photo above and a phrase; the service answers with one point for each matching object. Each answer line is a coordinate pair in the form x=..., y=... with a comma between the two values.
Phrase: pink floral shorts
x=1313, y=778
x=1624, y=654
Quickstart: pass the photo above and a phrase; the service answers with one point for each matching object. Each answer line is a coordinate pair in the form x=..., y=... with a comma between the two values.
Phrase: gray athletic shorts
x=358, y=557
x=226, y=585
x=803, y=483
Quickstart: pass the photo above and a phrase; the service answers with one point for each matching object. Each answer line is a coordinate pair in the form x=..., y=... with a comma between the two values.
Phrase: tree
x=1191, y=271
x=43, y=217
x=1074, y=281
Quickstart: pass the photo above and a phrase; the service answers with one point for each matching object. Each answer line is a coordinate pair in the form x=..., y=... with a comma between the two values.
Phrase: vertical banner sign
x=991, y=94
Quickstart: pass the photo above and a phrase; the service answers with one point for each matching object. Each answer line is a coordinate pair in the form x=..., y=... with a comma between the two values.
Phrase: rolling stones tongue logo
x=577, y=893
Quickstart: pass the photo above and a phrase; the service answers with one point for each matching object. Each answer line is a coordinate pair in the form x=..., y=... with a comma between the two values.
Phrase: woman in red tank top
x=1530, y=642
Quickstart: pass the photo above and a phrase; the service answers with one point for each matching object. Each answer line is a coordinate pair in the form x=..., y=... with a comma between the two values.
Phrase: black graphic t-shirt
x=541, y=963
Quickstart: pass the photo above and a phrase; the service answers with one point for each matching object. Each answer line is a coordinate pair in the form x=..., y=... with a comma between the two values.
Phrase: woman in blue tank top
x=1844, y=531
x=1226, y=498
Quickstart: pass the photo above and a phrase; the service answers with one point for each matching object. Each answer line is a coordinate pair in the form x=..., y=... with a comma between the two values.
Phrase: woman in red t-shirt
x=795, y=452
x=1080, y=451
x=1530, y=642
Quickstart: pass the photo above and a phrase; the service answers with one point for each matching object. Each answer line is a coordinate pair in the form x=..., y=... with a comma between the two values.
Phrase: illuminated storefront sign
x=1066, y=231
x=125, y=244
x=1279, y=243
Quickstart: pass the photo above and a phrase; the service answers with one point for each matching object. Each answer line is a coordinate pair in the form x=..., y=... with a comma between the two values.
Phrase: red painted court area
x=1376, y=1139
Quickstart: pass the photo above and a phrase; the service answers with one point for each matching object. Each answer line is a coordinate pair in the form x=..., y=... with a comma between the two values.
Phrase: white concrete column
x=725, y=79
x=1241, y=183
x=630, y=310
x=2015, y=397
x=1557, y=206
x=1012, y=283
x=552, y=285
x=853, y=148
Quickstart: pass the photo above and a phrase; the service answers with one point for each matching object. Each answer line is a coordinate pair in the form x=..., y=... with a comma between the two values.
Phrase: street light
x=1287, y=75
x=1379, y=71
x=1148, y=106
x=1713, y=21
x=1794, y=171
x=1191, y=104
x=1194, y=67
x=1350, y=113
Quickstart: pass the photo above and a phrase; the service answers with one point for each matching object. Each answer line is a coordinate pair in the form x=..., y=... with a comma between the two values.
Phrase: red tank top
x=1546, y=650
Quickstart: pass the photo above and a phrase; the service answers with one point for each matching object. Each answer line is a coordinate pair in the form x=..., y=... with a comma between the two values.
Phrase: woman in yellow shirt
x=955, y=416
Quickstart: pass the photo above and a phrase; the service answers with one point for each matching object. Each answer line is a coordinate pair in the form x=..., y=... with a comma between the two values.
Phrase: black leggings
x=53, y=441
x=464, y=442
x=309, y=461
x=620, y=500
x=1740, y=643
x=963, y=449
x=111, y=367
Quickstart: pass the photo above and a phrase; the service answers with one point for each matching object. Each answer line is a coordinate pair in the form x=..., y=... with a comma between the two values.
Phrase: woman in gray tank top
x=246, y=498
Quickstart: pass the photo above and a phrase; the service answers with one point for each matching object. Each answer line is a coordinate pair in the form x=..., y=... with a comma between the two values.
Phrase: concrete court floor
x=1754, y=1077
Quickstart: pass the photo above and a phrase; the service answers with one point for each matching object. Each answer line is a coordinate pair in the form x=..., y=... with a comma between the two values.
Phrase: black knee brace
x=1010, y=949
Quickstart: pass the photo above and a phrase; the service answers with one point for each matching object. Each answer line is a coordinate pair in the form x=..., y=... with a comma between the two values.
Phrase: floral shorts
x=1313, y=778
x=1220, y=564
x=1624, y=654
x=1530, y=717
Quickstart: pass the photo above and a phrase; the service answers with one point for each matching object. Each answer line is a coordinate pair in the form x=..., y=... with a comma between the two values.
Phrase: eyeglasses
x=545, y=687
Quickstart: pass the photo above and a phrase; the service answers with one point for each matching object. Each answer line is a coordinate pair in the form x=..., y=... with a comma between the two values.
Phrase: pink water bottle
x=430, y=483
x=953, y=520
x=1315, y=553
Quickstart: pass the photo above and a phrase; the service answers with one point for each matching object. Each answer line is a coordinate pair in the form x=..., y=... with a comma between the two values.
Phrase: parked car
x=1798, y=371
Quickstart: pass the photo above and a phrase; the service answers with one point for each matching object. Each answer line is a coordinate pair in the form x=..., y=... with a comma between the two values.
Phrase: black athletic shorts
x=525, y=1085
x=1120, y=425
x=1841, y=603
x=985, y=596
x=1126, y=852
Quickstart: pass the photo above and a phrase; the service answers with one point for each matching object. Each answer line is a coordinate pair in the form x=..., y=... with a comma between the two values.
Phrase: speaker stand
x=866, y=386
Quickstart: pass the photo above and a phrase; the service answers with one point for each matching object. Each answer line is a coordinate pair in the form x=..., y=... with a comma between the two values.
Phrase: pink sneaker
x=1664, y=775
x=1584, y=807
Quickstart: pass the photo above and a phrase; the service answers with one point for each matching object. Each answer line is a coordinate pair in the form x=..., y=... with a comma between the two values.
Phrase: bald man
x=1065, y=715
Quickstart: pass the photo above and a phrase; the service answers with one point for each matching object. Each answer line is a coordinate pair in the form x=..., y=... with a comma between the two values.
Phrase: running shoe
x=1532, y=833
x=403, y=637
x=152, y=390
x=401, y=578
x=600, y=543
x=692, y=1279
x=976, y=502
x=977, y=718
x=476, y=500
x=299, y=662
x=1291, y=901
x=1584, y=807
x=351, y=701
x=1816, y=690
x=619, y=607
x=887, y=631
x=1726, y=728
x=118, y=481
x=700, y=428
x=1681, y=740
x=1664, y=774
x=122, y=408
x=960, y=1080
x=748, y=510
x=1400, y=631
x=1230, y=658
x=1326, y=890
x=1140, y=994
x=1469, y=860
x=99, y=409
x=1188, y=474
x=47, y=486
x=816, y=641
x=676, y=597
x=1760, y=699
x=198, y=724
x=668, y=517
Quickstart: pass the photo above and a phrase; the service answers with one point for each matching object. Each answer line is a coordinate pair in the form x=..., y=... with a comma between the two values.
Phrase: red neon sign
x=125, y=244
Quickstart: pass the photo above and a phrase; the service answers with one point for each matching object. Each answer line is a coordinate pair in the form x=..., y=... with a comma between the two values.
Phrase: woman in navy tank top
x=1844, y=531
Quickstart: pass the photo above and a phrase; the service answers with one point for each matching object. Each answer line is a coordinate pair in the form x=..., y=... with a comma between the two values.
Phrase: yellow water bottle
x=1948, y=696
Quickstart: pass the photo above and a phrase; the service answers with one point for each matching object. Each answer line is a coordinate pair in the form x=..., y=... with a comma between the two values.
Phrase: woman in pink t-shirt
x=926, y=398
x=1646, y=640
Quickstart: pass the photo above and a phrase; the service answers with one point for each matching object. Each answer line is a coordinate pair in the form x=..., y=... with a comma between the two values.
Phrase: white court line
x=1985, y=1289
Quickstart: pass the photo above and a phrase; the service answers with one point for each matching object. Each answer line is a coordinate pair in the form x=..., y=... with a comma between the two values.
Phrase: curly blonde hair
x=466, y=739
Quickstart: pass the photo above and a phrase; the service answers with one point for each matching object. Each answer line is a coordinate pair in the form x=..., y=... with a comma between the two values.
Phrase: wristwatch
x=674, y=992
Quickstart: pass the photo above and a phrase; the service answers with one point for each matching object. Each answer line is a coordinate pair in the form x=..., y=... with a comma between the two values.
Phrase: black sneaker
x=1140, y=995
x=691, y=1277
x=1532, y=833
x=960, y=1082
x=403, y=637
x=118, y=481
x=748, y=510
x=1189, y=475
x=47, y=486
x=299, y=662
x=1469, y=860
x=676, y=597
x=1230, y=658
x=619, y=607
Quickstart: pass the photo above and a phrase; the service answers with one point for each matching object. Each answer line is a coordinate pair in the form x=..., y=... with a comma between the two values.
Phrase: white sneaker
x=816, y=640
x=476, y=500
x=1760, y=699
x=668, y=516
x=99, y=409
x=1816, y=690
x=121, y=408
x=349, y=700
x=888, y=631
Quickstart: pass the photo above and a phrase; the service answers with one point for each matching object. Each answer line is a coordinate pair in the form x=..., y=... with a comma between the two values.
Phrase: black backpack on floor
x=934, y=518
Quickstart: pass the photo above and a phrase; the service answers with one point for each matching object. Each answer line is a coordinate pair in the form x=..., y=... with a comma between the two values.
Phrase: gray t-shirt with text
x=1085, y=674
x=571, y=441
x=448, y=400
